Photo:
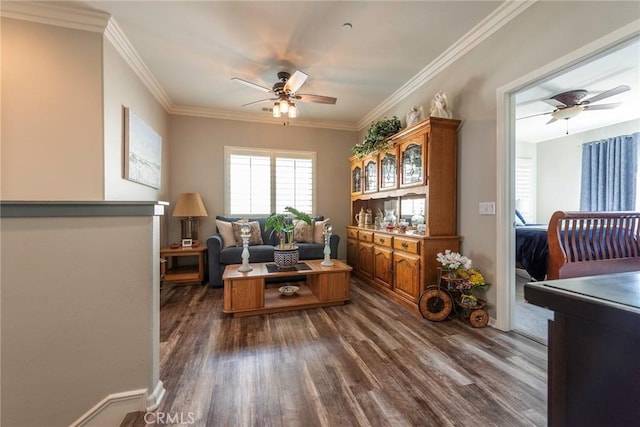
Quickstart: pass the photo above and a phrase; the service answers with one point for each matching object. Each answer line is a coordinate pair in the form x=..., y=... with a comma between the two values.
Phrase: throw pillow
x=255, y=238
x=303, y=232
x=318, y=231
x=226, y=231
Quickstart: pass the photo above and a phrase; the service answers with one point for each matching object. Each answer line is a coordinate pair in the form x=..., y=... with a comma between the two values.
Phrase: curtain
x=609, y=169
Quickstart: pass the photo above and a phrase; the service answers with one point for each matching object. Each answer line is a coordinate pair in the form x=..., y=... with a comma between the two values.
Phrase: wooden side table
x=183, y=273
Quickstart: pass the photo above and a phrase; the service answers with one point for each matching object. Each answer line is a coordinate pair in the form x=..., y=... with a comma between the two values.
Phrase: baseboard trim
x=112, y=409
x=154, y=399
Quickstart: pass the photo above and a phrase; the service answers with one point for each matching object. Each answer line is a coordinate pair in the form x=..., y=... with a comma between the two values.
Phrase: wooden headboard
x=593, y=243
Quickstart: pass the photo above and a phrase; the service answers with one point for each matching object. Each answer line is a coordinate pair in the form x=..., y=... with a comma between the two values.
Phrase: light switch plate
x=487, y=208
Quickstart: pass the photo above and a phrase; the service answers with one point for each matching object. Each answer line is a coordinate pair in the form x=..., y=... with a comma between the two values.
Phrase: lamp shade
x=189, y=205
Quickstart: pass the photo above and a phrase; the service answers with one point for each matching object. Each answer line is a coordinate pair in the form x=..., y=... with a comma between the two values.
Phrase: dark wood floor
x=367, y=363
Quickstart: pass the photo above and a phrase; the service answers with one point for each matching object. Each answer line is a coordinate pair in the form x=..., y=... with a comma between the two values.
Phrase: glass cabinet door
x=412, y=162
x=356, y=178
x=389, y=170
x=370, y=175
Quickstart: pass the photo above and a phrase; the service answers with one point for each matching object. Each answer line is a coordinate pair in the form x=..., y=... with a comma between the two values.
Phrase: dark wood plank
x=370, y=362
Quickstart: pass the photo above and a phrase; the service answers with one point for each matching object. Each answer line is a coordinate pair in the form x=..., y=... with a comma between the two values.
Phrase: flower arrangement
x=471, y=279
x=453, y=261
x=467, y=278
x=376, y=137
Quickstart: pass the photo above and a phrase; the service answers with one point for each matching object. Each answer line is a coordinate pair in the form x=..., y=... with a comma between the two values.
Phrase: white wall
x=122, y=88
x=51, y=113
x=559, y=181
x=197, y=164
x=74, y=332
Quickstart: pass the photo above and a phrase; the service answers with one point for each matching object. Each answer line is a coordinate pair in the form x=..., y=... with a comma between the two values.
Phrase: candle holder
x=327, y=250
x=245, y=233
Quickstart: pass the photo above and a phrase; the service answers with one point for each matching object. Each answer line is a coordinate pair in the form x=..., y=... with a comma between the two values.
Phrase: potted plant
x=377, y=136
x=285, y=255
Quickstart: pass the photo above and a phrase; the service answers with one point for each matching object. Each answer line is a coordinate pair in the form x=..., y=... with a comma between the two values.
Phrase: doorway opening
x=540, y=82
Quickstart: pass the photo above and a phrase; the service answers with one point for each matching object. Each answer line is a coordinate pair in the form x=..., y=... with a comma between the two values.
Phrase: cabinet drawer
x=383, y=240
x=352, y=234
x=406, y=245
x=365, y=236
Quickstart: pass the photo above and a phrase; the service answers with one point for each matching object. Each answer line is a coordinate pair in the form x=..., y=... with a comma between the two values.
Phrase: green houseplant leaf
x=377, y=136
x=283, y=223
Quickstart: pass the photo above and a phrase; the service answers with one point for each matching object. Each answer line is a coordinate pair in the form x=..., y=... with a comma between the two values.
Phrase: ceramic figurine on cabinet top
x=440, y=107
x=414, y=115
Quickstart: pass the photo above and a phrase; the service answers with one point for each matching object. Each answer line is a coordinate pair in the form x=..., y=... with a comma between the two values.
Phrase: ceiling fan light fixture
x=284, y=106
x=276, y=110
x=567, y=113
x=293, y=111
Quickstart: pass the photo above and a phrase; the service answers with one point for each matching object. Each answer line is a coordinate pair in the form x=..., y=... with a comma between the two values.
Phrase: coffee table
x=245, y=294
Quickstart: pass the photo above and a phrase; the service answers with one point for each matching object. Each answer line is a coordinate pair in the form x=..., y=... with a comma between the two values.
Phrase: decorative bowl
x=288, y=290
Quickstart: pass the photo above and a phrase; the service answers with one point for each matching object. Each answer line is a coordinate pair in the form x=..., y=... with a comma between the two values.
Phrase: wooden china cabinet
x=417, y=175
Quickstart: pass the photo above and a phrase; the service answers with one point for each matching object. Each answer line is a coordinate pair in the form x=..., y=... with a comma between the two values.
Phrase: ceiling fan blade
x=554, y=103
x=602, y=106
x=607, y=94
x=260, y=101
x=319, y=99
x=295, y=82
x=553, y=119
x=250, y=84
x=534, y=115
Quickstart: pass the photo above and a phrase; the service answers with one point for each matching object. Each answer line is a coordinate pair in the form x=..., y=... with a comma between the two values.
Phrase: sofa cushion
x=267, y=238
x=226, y=231
x=302, y=232
x=310, y=251
x=257, y=253
x=318, y=230
x=255, y=236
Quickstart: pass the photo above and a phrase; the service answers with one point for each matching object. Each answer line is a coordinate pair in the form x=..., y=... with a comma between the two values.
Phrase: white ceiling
x=603, y=72
x=192, y=49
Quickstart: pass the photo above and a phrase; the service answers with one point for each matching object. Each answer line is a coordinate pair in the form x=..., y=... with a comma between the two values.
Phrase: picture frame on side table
x=187, y=243
x=143, y=151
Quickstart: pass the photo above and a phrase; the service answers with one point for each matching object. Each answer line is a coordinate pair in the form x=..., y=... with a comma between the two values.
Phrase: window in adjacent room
x=524, y=188
x=259, y=182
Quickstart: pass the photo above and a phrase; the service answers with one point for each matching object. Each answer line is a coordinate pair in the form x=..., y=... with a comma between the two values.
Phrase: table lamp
x=189, y=206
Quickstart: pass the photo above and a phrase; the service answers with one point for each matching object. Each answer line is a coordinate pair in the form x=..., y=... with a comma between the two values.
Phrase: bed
x=577, y=244
x=592, y=243
x=532, y=249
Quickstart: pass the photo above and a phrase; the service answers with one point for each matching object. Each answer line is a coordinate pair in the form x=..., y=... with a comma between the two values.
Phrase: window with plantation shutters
x=524, y=183
x=260, y=182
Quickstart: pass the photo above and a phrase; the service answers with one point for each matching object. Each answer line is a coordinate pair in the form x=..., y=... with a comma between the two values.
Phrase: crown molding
x=102, y=22
x=114, y=34
x=183, y=110
x=50, y=14
x=503, y=14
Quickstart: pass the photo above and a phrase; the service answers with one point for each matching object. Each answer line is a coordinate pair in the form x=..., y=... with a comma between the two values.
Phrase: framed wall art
x=143, y=151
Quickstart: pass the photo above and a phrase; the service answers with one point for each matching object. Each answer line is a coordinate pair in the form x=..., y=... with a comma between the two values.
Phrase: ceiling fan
x=285, y=91
x=569, y=104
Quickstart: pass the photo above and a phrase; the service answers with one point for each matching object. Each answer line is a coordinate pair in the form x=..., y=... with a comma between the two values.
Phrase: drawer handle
x=405, y=245
x=381, y=240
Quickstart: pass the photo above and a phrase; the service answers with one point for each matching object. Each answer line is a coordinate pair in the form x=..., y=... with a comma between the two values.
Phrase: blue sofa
x=219, y=257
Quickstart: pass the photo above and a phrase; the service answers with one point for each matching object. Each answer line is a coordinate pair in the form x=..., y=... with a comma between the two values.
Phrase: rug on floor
x=530, y=320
